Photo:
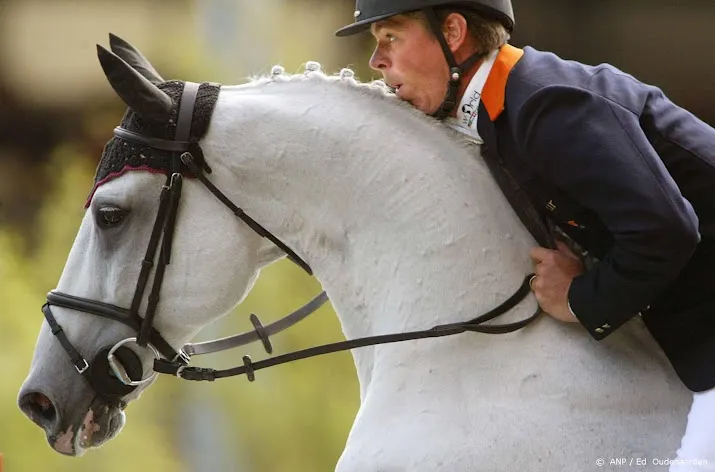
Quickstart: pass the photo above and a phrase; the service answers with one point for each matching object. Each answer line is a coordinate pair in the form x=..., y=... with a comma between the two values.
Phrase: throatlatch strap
x=188, y=160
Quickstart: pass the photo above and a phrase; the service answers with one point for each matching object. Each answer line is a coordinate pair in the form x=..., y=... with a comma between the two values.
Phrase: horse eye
x=111, y=216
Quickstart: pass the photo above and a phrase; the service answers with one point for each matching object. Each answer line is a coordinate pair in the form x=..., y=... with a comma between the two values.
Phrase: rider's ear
x=455, y=30
x=135, y=90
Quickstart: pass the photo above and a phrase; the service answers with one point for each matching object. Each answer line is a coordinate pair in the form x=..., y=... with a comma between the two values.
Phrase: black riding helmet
x=368, y=12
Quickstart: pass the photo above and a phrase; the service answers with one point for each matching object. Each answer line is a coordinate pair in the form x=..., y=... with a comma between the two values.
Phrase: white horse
x=405, y=229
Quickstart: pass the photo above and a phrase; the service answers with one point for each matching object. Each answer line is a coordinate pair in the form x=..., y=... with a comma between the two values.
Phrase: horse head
x=131, y=232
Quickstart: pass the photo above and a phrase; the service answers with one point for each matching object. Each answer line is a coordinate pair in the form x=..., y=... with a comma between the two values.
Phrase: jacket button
x=599, y=330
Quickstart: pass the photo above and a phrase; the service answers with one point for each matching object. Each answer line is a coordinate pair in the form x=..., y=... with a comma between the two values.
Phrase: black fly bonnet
x=122, y=155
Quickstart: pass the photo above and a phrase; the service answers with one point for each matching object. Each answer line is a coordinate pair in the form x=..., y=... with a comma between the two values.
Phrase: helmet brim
x=506, y=18
x=361, y=26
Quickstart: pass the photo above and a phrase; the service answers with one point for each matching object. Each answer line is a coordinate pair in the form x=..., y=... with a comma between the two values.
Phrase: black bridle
x=125, y=363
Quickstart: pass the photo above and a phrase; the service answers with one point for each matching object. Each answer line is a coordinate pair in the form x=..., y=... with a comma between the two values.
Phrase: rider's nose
x=378, y=61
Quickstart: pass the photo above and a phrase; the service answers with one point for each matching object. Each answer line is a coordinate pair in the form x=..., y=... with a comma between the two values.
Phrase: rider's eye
x=110, y=216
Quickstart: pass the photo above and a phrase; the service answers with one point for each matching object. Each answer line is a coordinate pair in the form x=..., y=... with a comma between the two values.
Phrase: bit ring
x=118, y=369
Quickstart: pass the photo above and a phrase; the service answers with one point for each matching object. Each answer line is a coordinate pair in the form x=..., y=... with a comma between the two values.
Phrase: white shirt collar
x=466, y=120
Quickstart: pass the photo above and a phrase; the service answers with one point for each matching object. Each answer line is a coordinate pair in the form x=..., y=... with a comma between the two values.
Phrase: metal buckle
x=84, y=368
x=182, y=357
x=118, y=369
x=172, y=181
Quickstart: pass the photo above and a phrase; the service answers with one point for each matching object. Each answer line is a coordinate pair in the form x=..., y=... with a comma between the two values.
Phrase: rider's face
x=410, y=59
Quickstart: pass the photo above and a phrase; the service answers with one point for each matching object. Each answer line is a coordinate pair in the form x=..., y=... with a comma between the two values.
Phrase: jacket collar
x=494, y=90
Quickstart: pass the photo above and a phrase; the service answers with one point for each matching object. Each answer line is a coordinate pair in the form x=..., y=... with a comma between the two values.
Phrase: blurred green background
x=57, y=111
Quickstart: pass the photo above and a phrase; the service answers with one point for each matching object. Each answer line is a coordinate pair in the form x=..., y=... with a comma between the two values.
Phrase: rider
x=604, y=159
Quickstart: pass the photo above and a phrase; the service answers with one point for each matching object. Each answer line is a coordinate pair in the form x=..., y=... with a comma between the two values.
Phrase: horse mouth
x=101, y=423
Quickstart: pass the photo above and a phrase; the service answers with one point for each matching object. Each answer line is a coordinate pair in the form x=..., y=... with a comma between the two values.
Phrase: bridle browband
x=126, y=365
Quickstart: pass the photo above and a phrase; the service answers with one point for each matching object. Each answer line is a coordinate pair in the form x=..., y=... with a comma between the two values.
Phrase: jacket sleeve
x=595, y=150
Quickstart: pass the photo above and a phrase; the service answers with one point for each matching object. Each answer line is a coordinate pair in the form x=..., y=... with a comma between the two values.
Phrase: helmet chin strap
x=456, y=71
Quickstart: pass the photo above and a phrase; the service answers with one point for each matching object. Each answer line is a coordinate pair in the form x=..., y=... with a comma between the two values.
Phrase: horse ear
x=135, y=90
x=134, y=58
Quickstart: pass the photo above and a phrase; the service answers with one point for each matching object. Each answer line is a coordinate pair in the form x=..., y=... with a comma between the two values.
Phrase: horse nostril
x=39, y=409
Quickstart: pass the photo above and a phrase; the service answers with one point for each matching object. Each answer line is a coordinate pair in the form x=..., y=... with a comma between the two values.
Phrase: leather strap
x=188, y=160
x=155, y=143
x=148, y=262
x=79, y=362
x=515, y=193
x=174, y=186
x=186, y=111
x=251, y=336
x=111, y=312
x=166, y=219
x=456, y=71
x=475, y=325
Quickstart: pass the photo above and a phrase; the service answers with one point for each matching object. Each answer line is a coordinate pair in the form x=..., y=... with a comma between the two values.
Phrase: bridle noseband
x=125, y=364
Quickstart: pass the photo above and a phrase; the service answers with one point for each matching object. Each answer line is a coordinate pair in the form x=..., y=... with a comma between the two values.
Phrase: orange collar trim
x=495, y=87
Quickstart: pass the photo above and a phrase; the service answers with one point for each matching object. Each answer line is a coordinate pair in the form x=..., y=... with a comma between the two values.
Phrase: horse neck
x=400, y=221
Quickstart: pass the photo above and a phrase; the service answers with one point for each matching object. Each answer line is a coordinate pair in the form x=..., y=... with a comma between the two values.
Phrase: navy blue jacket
x=628, y=175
